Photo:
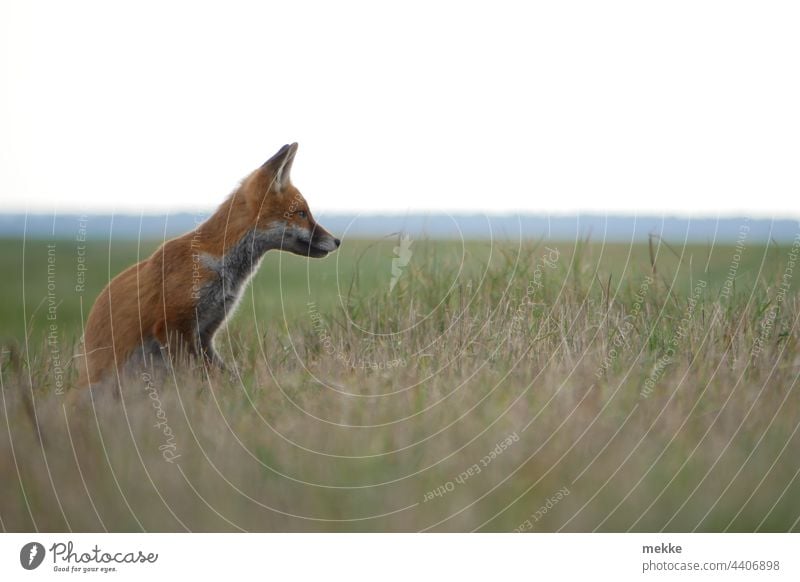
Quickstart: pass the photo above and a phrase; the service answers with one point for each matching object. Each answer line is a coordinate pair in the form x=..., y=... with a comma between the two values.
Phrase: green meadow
x=449, y=386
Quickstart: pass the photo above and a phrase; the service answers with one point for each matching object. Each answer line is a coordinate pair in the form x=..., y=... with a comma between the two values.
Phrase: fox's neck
x=230, y=229
x=230, y=244
x=240, y=261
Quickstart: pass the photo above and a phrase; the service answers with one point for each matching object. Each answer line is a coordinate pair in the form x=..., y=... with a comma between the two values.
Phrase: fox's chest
x=220, y=294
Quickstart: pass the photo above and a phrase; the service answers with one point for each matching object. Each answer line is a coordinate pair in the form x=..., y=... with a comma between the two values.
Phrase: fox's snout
x=316, y=243
x=328, y=244
x=325, y=240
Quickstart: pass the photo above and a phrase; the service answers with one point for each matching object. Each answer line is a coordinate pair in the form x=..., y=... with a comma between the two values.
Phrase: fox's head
x=281, y=209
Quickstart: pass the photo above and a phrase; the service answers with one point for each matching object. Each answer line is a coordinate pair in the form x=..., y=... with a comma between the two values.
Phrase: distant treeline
x=620, y=229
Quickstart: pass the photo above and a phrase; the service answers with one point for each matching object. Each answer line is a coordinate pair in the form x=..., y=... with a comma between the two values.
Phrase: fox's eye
x=302, y=214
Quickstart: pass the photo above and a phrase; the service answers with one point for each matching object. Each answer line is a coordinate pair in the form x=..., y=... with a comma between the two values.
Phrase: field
x=489, y=386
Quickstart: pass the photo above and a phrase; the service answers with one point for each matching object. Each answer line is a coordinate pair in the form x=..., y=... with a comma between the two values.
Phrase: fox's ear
x=280, y=165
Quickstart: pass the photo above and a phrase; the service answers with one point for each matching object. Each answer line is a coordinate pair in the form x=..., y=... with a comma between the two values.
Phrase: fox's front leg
x=210, y=355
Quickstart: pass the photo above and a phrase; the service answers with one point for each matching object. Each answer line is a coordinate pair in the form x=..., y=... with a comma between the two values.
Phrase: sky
x=686, y=108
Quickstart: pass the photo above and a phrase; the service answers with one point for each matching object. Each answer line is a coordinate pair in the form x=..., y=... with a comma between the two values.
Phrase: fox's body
x=175, y=301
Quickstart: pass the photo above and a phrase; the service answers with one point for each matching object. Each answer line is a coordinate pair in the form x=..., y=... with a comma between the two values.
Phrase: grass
x=497, y=387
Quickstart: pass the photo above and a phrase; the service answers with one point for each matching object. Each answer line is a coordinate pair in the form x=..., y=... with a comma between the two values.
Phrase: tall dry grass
x=644, y=395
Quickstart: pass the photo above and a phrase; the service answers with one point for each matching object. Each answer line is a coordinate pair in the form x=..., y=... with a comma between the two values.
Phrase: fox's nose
x=337, y=242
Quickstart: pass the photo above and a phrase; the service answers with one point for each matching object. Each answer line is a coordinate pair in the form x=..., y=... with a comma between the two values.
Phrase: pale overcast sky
x=669, y=107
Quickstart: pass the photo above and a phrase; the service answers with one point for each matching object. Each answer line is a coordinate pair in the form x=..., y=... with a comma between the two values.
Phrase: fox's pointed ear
x=280, y=165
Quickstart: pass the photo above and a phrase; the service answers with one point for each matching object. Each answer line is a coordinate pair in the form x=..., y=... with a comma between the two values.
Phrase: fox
x=177, y=299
